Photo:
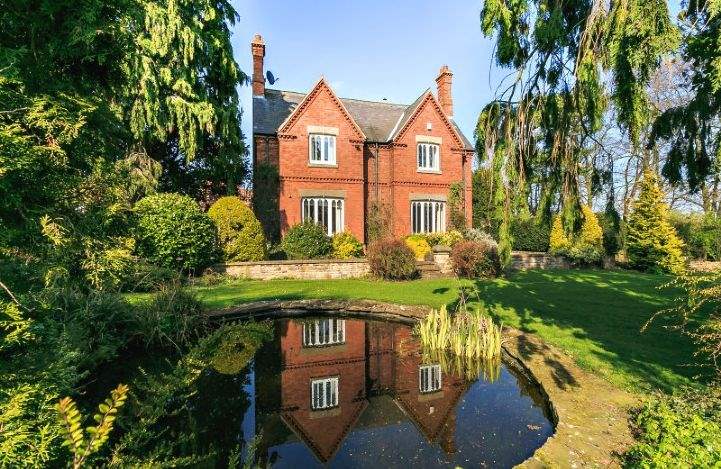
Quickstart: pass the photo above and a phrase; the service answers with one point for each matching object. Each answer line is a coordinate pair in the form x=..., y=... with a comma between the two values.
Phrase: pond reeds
x=467, y=333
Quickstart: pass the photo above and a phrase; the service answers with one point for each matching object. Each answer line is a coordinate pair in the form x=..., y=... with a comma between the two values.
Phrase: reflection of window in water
x=429, y=378
x=323, y=332
x=324, y=393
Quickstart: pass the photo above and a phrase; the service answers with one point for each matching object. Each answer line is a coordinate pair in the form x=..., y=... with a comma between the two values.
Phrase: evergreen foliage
x=239, y=233
x=173, y=232
x=651, y=241
x=689, y=127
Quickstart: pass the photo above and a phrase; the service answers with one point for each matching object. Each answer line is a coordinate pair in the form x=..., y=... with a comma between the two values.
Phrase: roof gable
x=320, y=87
x=425, y=99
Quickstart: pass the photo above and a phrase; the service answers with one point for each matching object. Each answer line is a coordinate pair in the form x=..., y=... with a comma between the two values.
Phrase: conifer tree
x=652, y=243
x=591, y=232
x=558, y=241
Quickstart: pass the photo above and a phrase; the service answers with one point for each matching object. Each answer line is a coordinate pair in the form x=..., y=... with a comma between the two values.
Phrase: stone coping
x=589, y=414
x=299, y=261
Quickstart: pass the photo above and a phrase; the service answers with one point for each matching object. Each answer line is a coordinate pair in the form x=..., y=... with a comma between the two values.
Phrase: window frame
x=423, y=150
x=430, y=369
x=335, y=332
x=334, y=382
x=332, y=207
x=431, y=216
x=332, y=145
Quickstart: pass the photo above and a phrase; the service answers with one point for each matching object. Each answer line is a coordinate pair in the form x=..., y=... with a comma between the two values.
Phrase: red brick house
x=338, y=159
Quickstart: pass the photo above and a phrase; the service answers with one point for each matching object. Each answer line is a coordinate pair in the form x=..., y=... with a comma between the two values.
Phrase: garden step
x=429, y=269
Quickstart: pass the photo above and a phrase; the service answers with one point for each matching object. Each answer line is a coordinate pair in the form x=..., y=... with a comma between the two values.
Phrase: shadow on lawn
x=605, y=311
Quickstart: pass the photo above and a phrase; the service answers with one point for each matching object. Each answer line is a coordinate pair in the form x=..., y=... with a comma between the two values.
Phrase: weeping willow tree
x=569, y=60
x=692, y=128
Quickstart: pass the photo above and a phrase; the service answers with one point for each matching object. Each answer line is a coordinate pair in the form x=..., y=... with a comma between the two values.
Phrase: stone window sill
x=429, y=171
x=320, y=165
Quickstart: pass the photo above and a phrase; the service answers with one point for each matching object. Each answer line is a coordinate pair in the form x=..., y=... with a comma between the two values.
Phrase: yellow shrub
x=591, y=232
x=346, y=246
x=419, y=246
x=558, y=241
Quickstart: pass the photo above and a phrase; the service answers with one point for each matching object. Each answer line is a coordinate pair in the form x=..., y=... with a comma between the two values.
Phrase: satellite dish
x=271, y=79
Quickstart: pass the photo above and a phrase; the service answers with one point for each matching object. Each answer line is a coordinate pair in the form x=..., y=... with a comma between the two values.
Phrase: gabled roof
x=317, y=89
x=380, y=121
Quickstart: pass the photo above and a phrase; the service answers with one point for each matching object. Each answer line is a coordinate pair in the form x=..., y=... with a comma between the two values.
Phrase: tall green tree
x=569, y=58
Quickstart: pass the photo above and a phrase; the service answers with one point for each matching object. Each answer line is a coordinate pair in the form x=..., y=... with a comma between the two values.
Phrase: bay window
x=428, y=216
x=324, y=211
x=322, y=149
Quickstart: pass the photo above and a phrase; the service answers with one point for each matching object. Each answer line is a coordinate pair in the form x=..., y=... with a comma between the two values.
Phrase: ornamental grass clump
x=467, y=333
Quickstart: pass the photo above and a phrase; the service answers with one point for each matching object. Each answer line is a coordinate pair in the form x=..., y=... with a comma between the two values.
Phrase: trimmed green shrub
x=473, y=259
x=346, y=246
x=392, y=259
x=173, y=232
x=306, y=241
x=529, y=235
x=418, y=244
x=240, y=234
x=651, y=241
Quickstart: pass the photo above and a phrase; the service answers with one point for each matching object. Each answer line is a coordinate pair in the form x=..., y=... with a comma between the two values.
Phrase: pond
x=343, y=392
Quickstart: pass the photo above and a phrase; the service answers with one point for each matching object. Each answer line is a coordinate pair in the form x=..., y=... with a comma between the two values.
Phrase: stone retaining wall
x=354, y=268
x=305, y=269
x=522, y=260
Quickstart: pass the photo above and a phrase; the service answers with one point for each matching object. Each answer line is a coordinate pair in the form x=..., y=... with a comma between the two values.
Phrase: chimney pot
x=445, y=97
x=257, y=48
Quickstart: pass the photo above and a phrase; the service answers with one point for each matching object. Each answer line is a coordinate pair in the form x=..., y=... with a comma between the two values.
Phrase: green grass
x=593, y=315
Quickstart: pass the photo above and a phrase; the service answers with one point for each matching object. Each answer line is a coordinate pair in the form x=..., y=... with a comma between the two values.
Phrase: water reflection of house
x=331, y=375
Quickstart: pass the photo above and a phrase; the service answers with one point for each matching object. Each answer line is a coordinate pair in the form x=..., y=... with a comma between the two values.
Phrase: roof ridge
x=375, y=102
x=341, y=97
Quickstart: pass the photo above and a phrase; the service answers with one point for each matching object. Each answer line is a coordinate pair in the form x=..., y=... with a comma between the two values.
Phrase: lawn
x=593, y=315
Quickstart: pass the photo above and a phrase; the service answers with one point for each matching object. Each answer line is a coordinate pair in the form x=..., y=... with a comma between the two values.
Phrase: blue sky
x=371, y=49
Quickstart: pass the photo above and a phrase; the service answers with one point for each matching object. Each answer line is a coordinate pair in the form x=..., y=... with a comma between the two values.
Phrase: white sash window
x=323, y=332
x=429, y=378
x=323, y=393
x=322, y=149
x=429, y=157
x=324, y=211
x=428, y=216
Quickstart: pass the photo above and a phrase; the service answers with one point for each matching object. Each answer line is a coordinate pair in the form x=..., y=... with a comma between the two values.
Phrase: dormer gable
x=321, y=88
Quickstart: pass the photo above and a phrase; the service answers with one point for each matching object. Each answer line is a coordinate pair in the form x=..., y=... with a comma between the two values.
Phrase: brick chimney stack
x=257, y=47
x=445, y=98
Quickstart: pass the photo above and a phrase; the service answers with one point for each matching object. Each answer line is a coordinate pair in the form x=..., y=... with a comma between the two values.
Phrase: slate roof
x=379, y=120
